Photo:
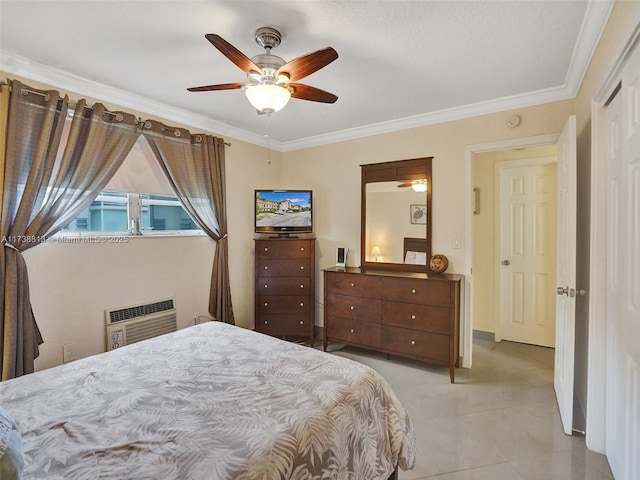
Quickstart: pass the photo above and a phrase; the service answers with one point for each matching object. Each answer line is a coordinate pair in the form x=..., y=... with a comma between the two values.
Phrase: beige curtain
x=195, y=168
x=45, y=186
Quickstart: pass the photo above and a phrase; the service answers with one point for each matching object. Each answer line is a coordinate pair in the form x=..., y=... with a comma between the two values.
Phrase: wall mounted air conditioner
x=127, y=325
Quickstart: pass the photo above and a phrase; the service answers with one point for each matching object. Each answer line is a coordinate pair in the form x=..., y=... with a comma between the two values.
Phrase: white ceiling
x=401, y=63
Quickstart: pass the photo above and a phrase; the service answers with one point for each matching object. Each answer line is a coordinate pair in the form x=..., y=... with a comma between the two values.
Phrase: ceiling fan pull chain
x=268, y=137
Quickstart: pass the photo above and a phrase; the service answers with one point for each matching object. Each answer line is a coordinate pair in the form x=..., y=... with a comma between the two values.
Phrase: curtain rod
x=72, y=104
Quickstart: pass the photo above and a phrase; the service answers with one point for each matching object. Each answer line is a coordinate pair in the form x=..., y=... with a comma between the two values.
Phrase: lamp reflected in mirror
x=376, y=253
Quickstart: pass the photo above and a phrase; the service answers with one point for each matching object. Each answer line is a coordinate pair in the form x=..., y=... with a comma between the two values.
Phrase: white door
x=566, y=274
x=623, y=276
x=527, y=251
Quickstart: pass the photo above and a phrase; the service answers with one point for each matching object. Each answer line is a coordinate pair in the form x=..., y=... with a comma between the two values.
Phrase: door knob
x=506, y=262
x=562, y=291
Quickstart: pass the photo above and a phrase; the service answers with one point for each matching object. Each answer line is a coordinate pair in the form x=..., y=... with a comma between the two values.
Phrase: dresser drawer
x=353, y=332
x=284, y=304
x=416, y=344
x=283, y=249
x=281, y=323
x=410, y=290
x=281, y=267
x=353, y=285
x=417, y=317
x=365, y=309
x=283, y=285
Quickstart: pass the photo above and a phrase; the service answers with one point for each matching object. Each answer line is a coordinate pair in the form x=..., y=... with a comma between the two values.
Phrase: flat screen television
x=283, y=212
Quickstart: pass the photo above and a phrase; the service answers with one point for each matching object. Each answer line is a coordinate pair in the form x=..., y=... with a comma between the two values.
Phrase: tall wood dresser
x=407, y=314
x=285, y=286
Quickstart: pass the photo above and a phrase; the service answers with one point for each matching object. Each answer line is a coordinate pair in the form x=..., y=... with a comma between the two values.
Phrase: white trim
x=466, y=332
x=593, y=24
x=596, y=370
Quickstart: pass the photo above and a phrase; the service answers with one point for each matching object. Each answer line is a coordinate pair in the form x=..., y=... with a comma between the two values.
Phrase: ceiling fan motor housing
x=268, y=37
x=269, y=64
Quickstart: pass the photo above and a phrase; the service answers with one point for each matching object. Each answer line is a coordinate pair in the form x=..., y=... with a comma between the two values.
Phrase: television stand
x=285, y=287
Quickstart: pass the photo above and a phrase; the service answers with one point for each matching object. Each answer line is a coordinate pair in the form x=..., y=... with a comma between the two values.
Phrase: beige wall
x=72, y=284
x=334, y=174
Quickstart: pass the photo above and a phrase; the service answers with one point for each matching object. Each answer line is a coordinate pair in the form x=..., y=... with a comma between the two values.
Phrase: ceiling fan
x=271, y=80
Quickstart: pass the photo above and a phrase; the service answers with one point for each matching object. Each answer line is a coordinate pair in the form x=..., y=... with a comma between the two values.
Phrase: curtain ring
x=198, y=138
x=119, y=117
x=147, y=124
x=176, y=132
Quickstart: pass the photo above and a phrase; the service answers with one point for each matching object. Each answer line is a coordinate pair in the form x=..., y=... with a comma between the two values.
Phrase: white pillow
x=11, y=460
x=415, y=258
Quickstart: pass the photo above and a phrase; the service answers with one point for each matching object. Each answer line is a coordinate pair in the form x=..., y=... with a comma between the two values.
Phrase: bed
x=415, y=251
x=211, y=401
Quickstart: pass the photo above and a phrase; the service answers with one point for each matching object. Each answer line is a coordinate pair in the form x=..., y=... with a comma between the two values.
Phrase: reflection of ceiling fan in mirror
x=271, y=80
x=417, y=185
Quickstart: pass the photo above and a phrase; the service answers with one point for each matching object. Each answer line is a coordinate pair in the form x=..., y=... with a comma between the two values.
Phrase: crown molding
x=593, y=24
x=596, y=17
x=539, y=97
x=59, y=79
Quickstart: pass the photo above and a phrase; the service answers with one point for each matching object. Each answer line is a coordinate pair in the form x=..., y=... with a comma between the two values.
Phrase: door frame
x=466, y=332
x=499, y=166
x=595, y=437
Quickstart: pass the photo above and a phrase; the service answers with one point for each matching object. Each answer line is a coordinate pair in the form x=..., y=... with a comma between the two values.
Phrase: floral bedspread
x=212, y=401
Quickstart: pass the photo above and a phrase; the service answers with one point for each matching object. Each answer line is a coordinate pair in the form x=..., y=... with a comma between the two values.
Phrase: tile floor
x=499, y=421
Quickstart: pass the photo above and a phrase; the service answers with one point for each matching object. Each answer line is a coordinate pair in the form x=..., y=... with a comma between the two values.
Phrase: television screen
x=283, y=211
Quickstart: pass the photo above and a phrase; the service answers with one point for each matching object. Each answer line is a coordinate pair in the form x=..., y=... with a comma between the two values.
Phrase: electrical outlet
x=67, y=353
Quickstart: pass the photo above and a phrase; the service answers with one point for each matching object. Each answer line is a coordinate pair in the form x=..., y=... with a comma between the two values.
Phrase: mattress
x=211, y=401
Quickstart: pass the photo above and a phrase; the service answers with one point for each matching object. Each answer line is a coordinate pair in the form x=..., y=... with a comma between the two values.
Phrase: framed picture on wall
x=418, y=214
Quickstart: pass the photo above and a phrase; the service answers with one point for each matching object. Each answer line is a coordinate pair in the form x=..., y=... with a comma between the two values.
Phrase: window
x=134, y=214
x=123, y=208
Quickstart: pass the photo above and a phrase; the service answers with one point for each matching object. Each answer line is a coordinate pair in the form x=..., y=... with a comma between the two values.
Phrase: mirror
x=396, y=215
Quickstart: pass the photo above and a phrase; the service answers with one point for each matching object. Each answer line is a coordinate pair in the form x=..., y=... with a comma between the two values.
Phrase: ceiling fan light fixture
x=419, y=186
x=268, y=98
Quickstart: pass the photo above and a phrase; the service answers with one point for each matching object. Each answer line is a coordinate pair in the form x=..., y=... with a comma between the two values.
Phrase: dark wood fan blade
x=221, y=86
x=305, y=92
x=232, y=53
x=307, y=64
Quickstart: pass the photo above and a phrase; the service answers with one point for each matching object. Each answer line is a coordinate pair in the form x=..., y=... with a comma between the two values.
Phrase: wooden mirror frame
x=400, y=171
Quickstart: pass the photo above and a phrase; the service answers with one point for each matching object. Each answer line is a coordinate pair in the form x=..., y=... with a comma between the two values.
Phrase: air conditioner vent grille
x=128, y=313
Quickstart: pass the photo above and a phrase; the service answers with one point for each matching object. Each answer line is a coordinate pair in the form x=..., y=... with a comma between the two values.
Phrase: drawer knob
x=266, y=322
x=266, y=286
x=353, y=284
x=266, y=249
x=352, y=307
x=266, y=304
x=301, y=322
x=413, y=290
x=413, y=342
x=413, y=317
x=353, y=331
x=301, y=285
x=302, y=249
x=266, y=267
x=302, y=304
